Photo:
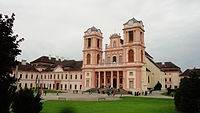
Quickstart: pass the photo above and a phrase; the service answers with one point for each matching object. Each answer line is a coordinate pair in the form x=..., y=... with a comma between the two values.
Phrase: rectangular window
x=120, y=59
x=20, y=76
x=131, y=84
x=80, y=86
x=26, y=75
x=98, y=43
x=89, y=42
x=141, y=36
x=80, y=76
x=66, y=76
x=65, y=86
x=130, y=36
x=31, y=85
x=25, y=85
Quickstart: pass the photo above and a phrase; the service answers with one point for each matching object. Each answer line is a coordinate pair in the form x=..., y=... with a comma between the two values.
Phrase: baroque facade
x=124, y=64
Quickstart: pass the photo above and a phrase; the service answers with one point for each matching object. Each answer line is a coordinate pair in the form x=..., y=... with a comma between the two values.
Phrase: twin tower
x=124, y=58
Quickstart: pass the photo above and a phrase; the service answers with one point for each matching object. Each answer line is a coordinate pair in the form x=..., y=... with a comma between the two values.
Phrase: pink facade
x=124, y=58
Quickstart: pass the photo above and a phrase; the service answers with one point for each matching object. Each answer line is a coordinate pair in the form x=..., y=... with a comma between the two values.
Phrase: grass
x=126, y=105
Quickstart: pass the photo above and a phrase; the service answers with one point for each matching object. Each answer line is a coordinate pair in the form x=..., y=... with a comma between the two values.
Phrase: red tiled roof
x=168, y=66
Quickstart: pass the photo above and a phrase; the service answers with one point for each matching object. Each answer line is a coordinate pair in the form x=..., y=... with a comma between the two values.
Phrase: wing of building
x=123, y=64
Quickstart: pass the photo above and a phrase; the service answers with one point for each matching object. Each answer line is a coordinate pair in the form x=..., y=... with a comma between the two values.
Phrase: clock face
x=89, y=30
x=130, y=22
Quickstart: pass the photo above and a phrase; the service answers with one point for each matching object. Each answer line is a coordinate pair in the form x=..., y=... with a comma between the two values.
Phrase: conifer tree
x=9, y=49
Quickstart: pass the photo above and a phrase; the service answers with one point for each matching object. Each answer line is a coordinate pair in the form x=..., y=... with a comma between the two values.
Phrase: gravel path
x=95, y=97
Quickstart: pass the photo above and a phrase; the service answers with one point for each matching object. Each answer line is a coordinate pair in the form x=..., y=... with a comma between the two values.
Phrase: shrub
x=158, y=86
x=187, y=97
x=26, y=102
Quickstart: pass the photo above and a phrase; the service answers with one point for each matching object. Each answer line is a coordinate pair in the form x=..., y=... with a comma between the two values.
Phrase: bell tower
x=92, y=50
x=134, y=47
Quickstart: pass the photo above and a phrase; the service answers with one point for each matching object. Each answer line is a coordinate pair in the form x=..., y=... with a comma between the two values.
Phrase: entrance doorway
x=57, y=86
x=114, y=83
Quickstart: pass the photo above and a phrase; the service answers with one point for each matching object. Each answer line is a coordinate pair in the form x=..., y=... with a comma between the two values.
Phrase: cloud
x=57, y=27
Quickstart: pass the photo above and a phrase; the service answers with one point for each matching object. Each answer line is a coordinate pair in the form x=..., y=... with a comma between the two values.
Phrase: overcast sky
x=56, y=27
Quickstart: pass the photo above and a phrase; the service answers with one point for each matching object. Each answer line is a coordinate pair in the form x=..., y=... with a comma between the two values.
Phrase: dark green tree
x=158, y=86
x=9, y=49
x=187, y=98
x=26, y=102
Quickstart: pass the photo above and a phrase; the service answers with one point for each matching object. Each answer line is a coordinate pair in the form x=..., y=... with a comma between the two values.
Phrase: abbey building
x=123, y=64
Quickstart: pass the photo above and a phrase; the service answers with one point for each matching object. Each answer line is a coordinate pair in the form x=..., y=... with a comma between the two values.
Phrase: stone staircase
x=105, y=90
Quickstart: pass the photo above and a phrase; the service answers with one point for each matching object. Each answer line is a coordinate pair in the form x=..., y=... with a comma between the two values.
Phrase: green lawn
x=126, y=105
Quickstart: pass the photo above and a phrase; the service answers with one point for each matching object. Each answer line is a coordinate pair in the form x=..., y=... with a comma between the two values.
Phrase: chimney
x=23, y=62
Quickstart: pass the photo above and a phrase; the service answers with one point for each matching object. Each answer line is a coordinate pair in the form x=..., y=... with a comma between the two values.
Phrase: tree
x=158, y=86
x=187, y=97
x=8, y=52
x=26, y=102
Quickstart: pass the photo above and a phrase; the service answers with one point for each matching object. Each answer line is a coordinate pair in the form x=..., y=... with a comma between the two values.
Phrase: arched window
x=98, y=59
x=114, y=44
x=88, y=58
x=141, y=56
x=114, y=59
x=130, y=56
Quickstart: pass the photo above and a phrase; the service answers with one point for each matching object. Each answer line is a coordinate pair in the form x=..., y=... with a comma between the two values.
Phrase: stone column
x=111, y=79
x=105, y=79
x=117, y=79
x=99, y=85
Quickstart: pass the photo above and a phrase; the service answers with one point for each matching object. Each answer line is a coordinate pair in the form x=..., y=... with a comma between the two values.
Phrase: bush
x=158, y=86
x=26, y=102
x=187, y=97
